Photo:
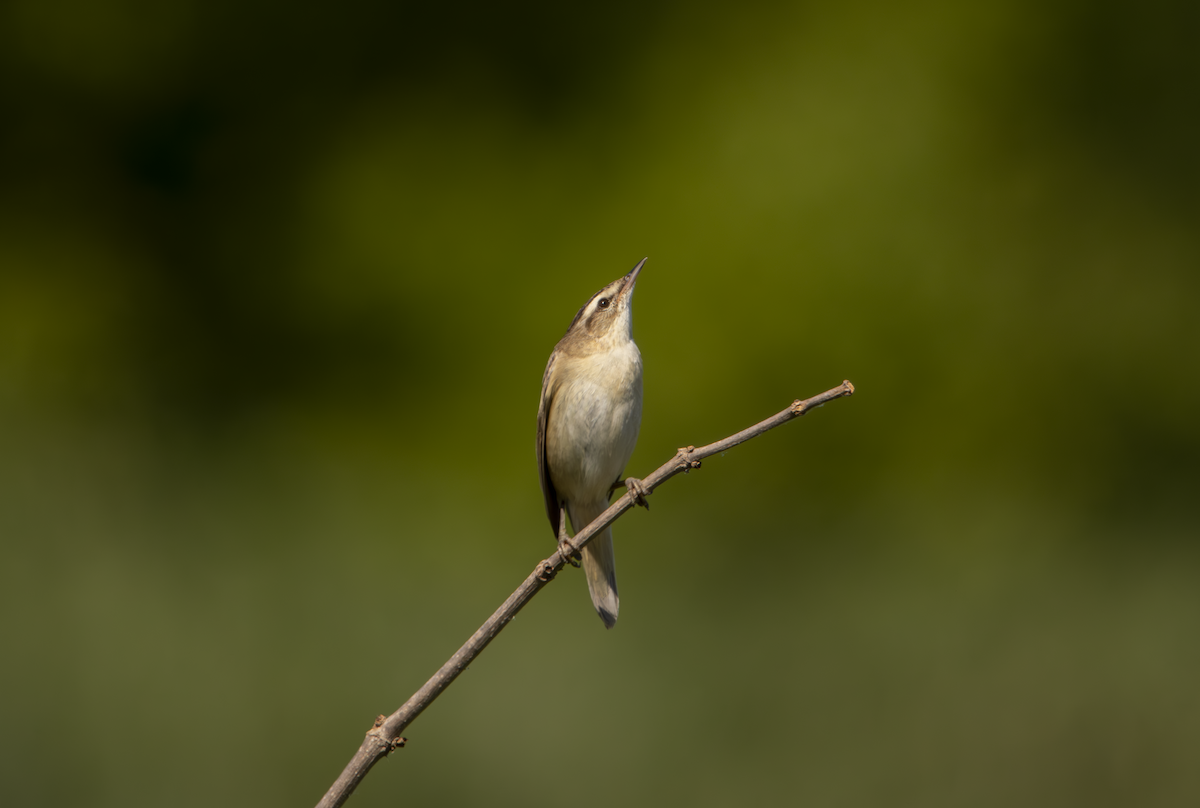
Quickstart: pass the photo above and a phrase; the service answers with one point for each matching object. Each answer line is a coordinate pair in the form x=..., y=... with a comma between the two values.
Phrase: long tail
x=599, y=564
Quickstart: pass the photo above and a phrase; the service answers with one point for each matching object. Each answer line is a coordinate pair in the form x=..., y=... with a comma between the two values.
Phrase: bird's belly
x=593, y=428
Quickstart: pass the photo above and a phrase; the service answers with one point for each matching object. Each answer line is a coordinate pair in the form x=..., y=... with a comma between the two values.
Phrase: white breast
x=593, y=421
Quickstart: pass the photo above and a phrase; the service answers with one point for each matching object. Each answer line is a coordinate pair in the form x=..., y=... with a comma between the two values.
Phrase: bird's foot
x=568, y=552
x=637, y=490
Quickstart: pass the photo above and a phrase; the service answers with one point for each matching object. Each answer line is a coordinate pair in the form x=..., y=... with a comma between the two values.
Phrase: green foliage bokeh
x=277, y=286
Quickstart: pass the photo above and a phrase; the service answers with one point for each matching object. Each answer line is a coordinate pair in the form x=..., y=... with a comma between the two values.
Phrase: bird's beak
x=631, y=278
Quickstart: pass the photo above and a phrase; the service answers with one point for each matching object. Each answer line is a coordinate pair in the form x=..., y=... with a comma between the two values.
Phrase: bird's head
x=608, y=315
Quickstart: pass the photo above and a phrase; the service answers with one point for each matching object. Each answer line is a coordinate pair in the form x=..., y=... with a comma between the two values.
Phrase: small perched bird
x=587, y=427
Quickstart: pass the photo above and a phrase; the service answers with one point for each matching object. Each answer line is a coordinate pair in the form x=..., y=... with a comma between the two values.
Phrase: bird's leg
x=565, y=548
x=636, y=490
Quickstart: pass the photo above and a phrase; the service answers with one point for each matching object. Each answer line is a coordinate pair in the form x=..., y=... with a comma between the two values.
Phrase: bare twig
x=385, y=736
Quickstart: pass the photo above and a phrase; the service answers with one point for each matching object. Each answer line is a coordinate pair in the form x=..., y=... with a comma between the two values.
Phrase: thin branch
x=385, y=736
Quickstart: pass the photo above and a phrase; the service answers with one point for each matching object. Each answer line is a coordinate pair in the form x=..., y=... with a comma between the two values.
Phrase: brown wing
x=551, y=496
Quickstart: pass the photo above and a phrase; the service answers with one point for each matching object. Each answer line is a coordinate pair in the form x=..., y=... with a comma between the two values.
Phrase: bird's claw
x=637, y=490
x=568, y=552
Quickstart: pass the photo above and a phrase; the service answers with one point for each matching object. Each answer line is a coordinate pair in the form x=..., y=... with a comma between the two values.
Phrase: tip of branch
x=841, y=391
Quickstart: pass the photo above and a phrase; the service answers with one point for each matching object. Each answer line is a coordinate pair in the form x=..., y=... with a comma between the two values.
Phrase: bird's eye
x=603, y=302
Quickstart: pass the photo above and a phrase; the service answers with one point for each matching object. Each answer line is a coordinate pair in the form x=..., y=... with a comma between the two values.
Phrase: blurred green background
x=277, y=286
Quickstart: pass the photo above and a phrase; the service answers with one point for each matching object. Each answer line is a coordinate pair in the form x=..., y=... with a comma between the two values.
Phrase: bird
x=587, y=426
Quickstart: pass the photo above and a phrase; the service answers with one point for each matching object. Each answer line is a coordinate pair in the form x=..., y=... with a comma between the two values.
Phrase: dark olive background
x=277, y=287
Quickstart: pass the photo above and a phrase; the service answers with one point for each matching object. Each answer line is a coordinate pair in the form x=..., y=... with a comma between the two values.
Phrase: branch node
x=685, y=463
x=389, y=744
x=545, y=572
